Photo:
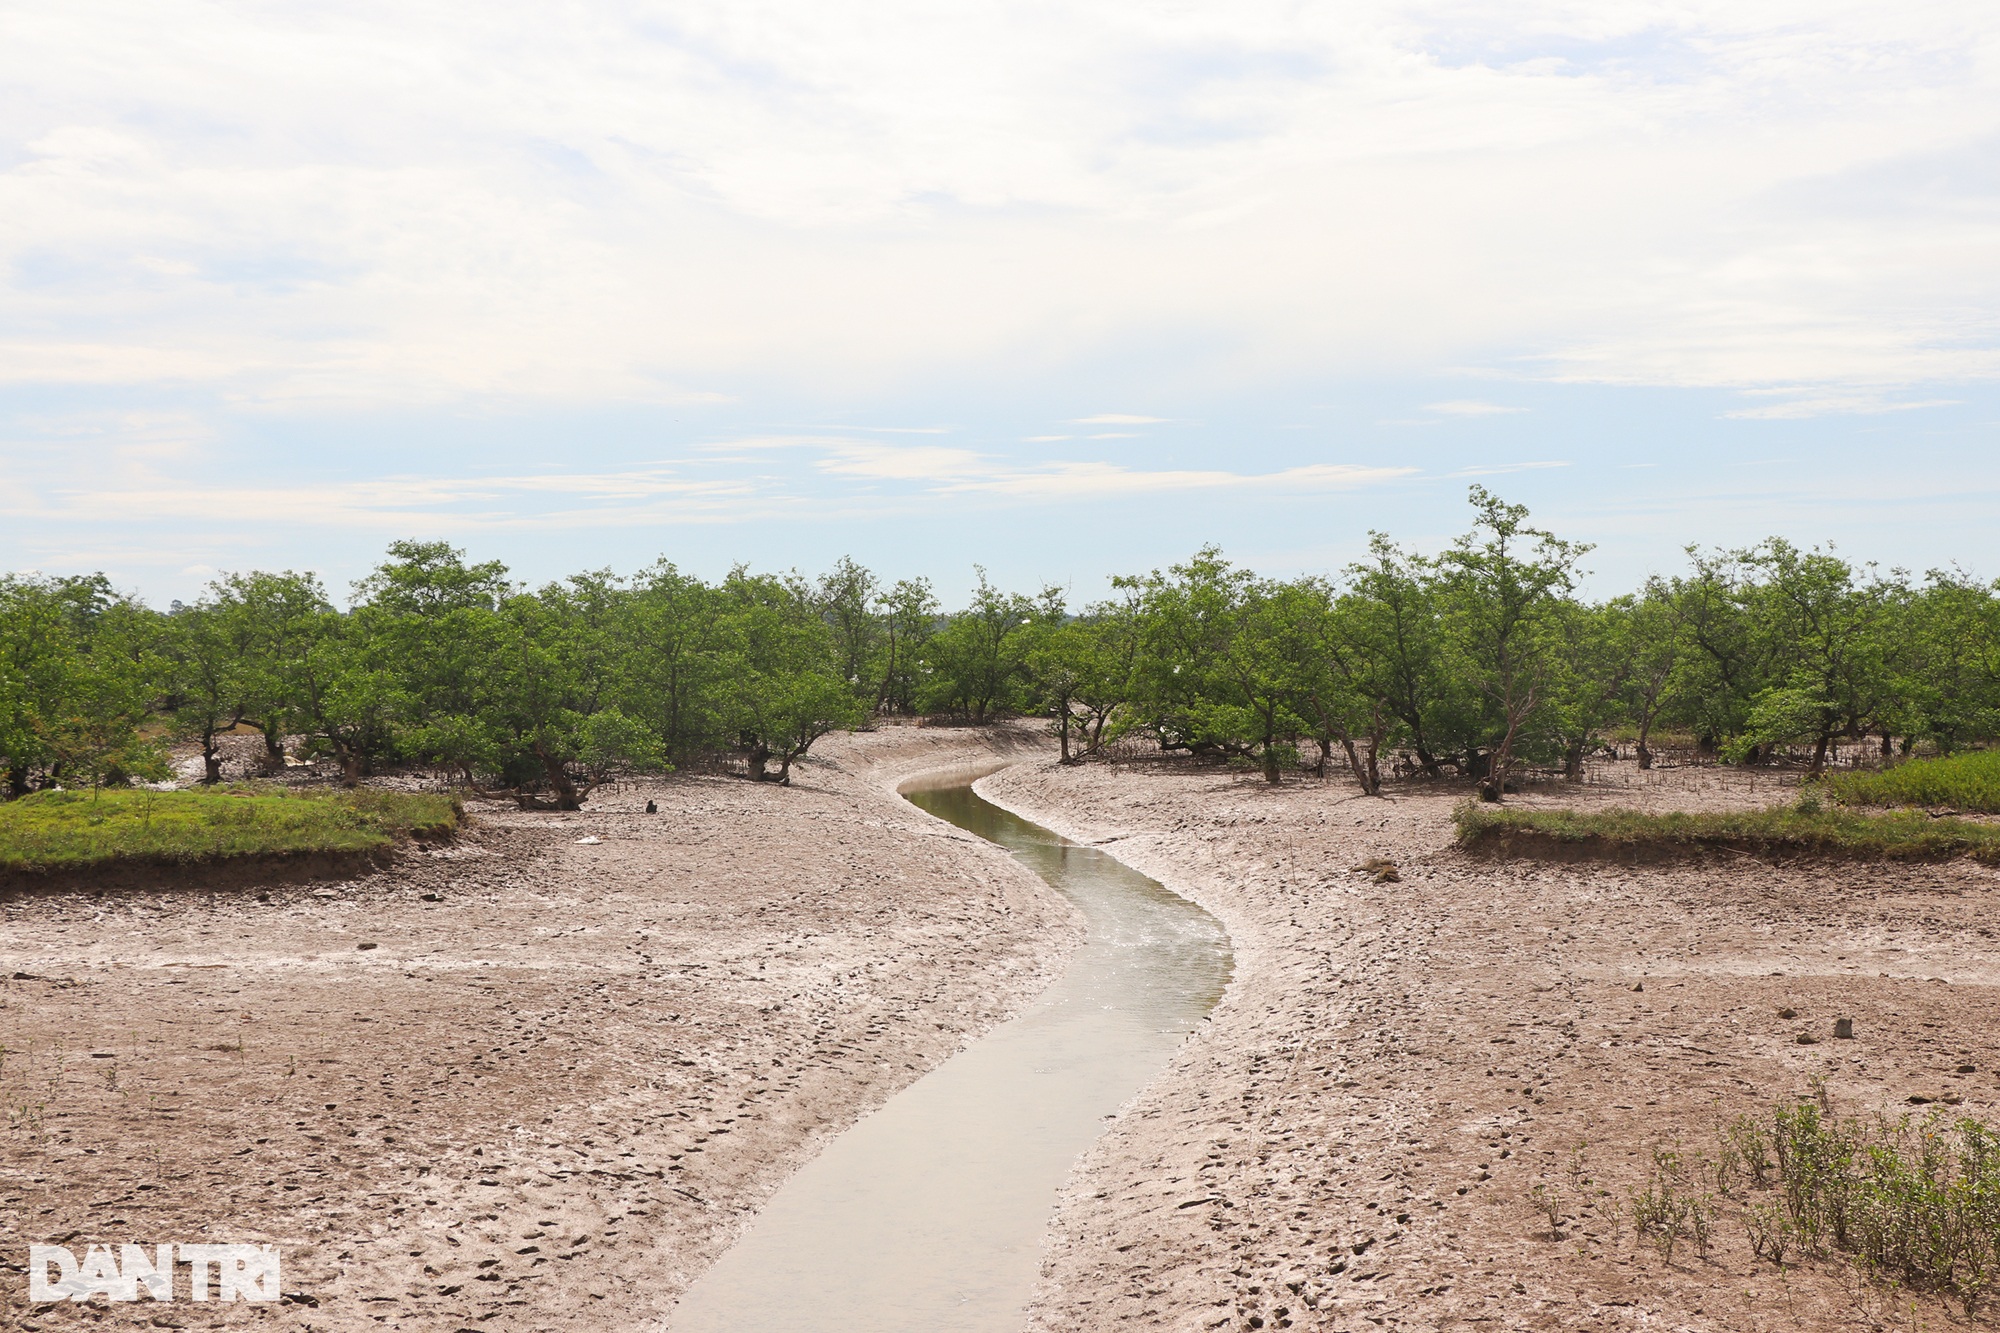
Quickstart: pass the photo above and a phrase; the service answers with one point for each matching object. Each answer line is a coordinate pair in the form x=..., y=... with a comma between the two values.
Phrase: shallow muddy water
x=927, y=1216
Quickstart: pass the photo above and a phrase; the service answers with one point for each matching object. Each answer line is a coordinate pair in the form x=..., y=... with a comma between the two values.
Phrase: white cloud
x=638, y=496
x=1466, y=407
x=633, y=496
x=965, y=472
x=1072, y=480
x=1800, y=404
x=359, y=204
x=901, y=430
x=885, y=462
x=1119, y=419
x=1504, y=469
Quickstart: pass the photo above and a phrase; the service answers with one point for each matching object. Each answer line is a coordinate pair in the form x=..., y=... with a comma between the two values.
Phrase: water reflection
x=927, y=1217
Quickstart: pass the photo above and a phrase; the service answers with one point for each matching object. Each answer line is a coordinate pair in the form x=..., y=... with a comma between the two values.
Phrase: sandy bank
x=1350, y=1143
x=523, y=1082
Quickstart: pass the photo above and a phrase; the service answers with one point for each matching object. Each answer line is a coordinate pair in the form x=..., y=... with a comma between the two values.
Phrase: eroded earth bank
x=536, y=1079
x=1351, y=1142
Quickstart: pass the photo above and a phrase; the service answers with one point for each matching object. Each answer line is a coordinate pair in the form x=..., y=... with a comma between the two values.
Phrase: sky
x=1058, y=290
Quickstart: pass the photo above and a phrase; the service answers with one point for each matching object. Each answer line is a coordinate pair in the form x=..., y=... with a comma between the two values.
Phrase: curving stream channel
x=927, y=1216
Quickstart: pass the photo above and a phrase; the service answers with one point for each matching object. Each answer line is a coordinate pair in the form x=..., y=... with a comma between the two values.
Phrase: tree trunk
x=1364, y=773
x=211, y=762
x=759, y=760
x=1645, y=755
x=17, y=782
x=1819, y=756
x=1495, y=786
x=567, y=796
x=1573, y=762
x=1271, y=774
x=274, y=748
x=350, y=767
x=1888, y=745
x=1063, y=730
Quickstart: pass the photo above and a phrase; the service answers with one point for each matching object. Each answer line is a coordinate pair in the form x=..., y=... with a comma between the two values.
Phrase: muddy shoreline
x=1351, y=1141
x=567, y=1072
x=522, y=1081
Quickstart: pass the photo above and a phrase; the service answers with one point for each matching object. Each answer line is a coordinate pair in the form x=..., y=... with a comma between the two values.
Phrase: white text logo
x=215, y=1272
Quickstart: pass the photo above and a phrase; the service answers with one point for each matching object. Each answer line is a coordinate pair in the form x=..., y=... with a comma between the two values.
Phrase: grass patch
x=74, y=830
x=1962, y=781
x=1917, y=1203
x=1830, y=833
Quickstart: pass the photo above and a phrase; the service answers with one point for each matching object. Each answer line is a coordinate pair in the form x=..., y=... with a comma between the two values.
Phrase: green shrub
x=56, y=830
x=1917, y=1202
x=1785, y=831
x=1963, y=781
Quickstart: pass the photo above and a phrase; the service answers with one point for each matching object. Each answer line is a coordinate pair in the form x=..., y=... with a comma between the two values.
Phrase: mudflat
x=1351, y=1142
x=537, y=1078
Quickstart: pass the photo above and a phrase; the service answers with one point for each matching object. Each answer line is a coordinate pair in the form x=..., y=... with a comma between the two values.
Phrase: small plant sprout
x=1669, y=1209
x=1771, y=1233
x=1576, y=1172
x=1746, y=1147
x=1548, y=1199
